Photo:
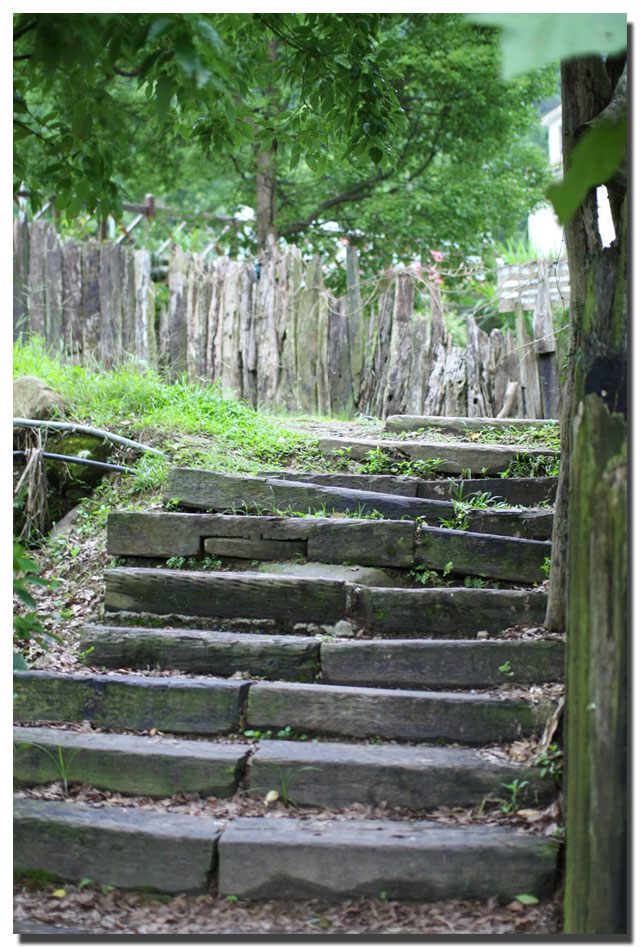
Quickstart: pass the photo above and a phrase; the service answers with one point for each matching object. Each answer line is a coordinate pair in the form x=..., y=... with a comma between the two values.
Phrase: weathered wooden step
x=136, y=766
x=462, y=552
x=279, y=657
x=411, y=715
x=415, y=777
x=414, y=422
x=529, y=524
x=288, y=601
x=454, y=612
x=128, y=848
x=234, y=493
x=225, y=595
x=454, y=457
x=313, y=858
x=519, y=491
x=436, y=664
x=128, y=701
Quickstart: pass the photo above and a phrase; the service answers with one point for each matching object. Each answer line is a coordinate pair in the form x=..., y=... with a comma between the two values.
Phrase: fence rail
x=275, y=335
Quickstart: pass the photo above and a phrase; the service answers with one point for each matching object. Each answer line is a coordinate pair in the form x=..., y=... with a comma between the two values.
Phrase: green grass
x=196, y=425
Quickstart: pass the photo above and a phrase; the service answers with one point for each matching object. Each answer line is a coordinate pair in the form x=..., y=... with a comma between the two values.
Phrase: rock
x=33, y=398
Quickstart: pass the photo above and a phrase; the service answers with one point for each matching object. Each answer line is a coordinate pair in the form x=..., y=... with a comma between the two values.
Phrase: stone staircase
x=306, y=667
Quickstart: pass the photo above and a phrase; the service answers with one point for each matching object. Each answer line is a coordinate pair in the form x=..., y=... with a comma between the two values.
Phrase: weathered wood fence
x=274, y=335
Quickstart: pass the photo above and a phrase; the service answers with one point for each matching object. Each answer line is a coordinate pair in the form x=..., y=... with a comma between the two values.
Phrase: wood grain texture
x=312, y=858
x=441, y=664
x=467, y=553
x=127, y=848
x=415, y=715
x=133, y=765
x=420, y=777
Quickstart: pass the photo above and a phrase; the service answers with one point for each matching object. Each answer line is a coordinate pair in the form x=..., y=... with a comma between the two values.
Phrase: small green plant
x=27, y=627
x=384, y=895
x=61, y=761
x=515, y=790
x=550, y=763
x=506, y=670
x=531, y=465
x=232, y=898
x=176, y=562
x=378, y=461
x=423, y=575
x=545, y=568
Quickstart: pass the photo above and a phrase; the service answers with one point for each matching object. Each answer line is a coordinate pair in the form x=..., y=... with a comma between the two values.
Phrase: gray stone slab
x=313, y=858
x=128, y=848
x=285, y=599
x=377, y=483
x=203, y=489
x=457, y=612
x=275, y=550
x=435, y=664
x=362, y=575
x=128, y=701
x=341, y=774
x=519, y=491
x=281, y=657
x=412, y=422
x=411, y=715
x=120, y=762
x=454, y=457
x=528, y=524
x=371, y=542
x=495, y=557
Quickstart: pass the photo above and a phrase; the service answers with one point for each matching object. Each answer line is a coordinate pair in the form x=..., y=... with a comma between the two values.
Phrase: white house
x=545, y=233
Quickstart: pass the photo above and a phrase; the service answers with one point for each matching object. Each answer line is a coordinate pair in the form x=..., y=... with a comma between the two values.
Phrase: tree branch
x=357, y=192
x=127, y=73
x=25, y=28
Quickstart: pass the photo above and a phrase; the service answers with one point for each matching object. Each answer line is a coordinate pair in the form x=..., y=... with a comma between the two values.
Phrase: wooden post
x=544, y=344
x=20, y=276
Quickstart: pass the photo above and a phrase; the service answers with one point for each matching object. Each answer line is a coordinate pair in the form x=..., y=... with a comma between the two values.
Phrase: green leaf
x=531, y=40
x=159, y=27
x=376, y=155
x=164, y=91
x=527, y=899
x=594, y=160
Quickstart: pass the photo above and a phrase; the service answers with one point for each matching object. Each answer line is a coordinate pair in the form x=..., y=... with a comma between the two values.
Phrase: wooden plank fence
x=276, y=337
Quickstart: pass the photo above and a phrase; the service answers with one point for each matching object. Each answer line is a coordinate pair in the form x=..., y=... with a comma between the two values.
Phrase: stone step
x=410, y=662
x=133, y=765
x=456, y=425
x=237, y=493
x=127, y=848
x=412, y=777
x=386, y=543
x=410, y=715
x=234, y=493
x=279, y=657
x=316, y=858
x=129, y=701
x=455, y=457
x=286, y=601
x=519, y=491
x=441, y=664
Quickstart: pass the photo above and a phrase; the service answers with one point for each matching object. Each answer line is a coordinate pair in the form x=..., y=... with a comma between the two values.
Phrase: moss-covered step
x=127, y=848
x=279, y=657
x=462, y=552
x=528, y=524
x=412, y=715
x=236, y=493
x=412, y=777
x=414, y=422
x=119, y=762
x=316, y=858
x=128, y=701
x=284, y=599
x=435, y=664
x=454, y=612
x=519, y=491
x=453, y=457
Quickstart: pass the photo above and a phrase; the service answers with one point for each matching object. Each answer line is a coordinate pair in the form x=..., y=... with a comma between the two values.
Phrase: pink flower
x=437, y=255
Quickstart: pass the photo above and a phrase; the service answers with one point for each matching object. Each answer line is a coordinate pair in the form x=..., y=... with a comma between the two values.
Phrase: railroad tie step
x=121, y=762
x=412, y=777
x=456, y=425
x=287, y=601
x=280, y=657
x=128, y=848
x=129, y=701
x=454, y=457
x=407, y=715
x=314, y=858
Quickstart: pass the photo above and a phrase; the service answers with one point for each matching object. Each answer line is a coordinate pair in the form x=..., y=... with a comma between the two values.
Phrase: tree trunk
x=587, y=593
x=265, y=195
